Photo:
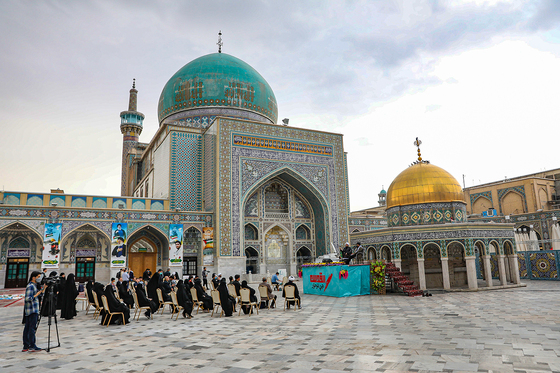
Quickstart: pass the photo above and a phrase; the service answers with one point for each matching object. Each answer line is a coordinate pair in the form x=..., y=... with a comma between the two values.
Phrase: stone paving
x=514, y=330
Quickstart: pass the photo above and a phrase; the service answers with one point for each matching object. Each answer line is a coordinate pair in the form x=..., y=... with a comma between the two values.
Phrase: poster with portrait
x=208, y=251
x=175, y=245
x=51, y=245
x=119, y=233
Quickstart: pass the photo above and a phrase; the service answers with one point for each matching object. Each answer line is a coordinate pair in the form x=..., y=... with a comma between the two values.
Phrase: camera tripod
x=49, y=306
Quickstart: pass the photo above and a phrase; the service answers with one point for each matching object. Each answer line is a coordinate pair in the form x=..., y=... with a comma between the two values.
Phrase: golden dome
x=423, y=183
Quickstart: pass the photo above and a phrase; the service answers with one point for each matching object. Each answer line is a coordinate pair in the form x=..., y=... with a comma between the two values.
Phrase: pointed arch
x=318, y=201
x=14, y=225
x=81, y=226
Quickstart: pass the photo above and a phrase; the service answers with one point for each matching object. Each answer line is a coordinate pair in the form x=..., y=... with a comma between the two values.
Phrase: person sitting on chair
x=237, y=284
x=296, y=292
x=275, y=280
x=269, y=292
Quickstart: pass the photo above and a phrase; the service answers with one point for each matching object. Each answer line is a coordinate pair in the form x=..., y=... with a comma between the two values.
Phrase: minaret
x=131, y=128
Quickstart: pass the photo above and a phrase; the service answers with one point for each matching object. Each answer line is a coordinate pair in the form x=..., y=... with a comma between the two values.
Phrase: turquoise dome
x=217, y=80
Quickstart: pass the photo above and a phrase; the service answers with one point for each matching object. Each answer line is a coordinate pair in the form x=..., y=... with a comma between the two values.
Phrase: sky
x=476, y=80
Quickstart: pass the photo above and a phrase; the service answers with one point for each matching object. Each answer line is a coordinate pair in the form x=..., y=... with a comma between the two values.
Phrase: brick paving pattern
x=514, y=330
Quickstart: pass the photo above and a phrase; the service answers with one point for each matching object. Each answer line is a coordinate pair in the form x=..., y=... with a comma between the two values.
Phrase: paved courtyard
x=492, y=331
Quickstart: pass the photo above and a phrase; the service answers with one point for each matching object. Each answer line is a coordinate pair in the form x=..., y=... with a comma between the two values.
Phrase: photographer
x=31, y=312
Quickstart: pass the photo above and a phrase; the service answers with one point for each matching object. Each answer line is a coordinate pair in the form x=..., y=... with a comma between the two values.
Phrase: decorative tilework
x=475, y=196
x=61, y=202
x=78, y=202
x=209, y=149
x=543, y=265
x=522, y=265
x=138, y=204
x=427, y=213
x=11, y=198
x=117, y=202
x=186, y=171
x=281, y=145
x=35, y=200
x=156, y=205
x=99, y=203
x=517, y=189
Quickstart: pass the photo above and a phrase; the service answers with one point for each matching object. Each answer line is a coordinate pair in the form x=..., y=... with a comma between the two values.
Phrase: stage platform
x=326, y=280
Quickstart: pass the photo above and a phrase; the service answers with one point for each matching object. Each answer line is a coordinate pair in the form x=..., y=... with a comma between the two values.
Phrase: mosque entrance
x=16, y=272
x=142, y=255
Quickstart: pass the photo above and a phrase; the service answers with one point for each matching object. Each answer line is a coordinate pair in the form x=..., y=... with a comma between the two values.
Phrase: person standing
x=31, y=313
x=205, y=278
x=68, y=310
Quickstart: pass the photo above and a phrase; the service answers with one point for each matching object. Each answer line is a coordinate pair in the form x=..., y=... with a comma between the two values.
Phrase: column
x=445, y=273
x=514, y=269
x=421, y=274
x=508, y=269
x=397, y=263
x=487, y=270
x=502, y=269
x=471, y=273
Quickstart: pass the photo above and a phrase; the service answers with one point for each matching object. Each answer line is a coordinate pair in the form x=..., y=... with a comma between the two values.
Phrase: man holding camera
x=31, y=313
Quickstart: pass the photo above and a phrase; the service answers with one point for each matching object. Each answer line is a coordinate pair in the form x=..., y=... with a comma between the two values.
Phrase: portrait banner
x=208, y=251
x=118, y=244
x=51, y=245
x=175, y=245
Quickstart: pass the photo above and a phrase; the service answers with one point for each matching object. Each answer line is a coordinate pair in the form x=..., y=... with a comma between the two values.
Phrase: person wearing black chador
x=61, y=287
x=206, y=300
x=143, y=301
x=252, y=296
x=154, y=283
x=68, y=310
x=89, y=291
x=226, y=300
x=184, y=300
x=115, y=306
x=125, y=295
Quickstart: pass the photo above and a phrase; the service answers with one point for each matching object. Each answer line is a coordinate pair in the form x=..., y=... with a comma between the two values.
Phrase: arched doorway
x=277, y=242
x=252, y=261
x=22, y=247
x=192, y=246
x=145, y=250
x=86, y=249
x=409, y=262
x=372, y=255
x=303, y=256
x=432, y=266
x=481, y=253
x=17, y=266
x=386, y=254
x=457, y=265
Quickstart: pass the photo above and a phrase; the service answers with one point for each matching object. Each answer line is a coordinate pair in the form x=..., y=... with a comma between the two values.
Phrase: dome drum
x=427, y=214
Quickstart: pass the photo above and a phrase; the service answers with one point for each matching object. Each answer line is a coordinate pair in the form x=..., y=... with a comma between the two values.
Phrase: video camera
x=51, y=280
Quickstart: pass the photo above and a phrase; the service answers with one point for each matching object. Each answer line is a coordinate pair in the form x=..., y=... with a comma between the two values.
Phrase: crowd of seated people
x=152, y=291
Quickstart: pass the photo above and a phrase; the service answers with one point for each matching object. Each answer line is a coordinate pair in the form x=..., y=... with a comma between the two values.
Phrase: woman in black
x=68, y=310
x=154, y=283
x=184, y=299
x=226, y=299
x=206, y=300
x=89, y=291
x=143, y=301
x=61, y=287
x=125, y=295
x=115, y=306
x=252, y=297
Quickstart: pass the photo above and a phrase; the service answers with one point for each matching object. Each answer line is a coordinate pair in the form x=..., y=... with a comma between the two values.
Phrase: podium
x=327, y=280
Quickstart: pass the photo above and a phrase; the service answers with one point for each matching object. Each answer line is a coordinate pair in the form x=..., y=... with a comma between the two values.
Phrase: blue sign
x=326, y=280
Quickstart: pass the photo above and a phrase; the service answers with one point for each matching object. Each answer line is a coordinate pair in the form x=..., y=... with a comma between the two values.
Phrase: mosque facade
x=220, y=179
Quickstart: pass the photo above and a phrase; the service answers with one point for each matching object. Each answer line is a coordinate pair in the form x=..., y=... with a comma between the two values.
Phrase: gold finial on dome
x=417, y=143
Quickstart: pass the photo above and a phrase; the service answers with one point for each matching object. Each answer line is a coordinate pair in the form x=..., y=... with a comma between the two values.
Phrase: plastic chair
x=289, y=292
x=195, y=300
x=246, y=301
x=106, y=306
x=138, y=309
x=216, y=299
x=176, y=306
